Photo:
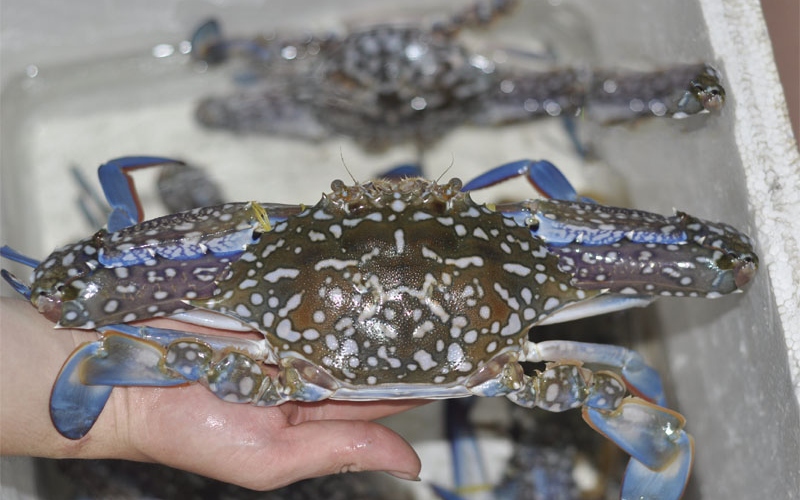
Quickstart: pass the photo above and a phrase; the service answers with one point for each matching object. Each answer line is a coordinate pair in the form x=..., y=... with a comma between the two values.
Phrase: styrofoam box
x=82, y=83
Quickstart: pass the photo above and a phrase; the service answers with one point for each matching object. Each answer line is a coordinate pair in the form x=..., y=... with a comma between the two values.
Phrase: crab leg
x=469, y=468
x=661, y=452
x=11, y=254
x=402, y=171
x=639, y=376
x=230, y=368
x=543, y=175
x=95, y=209
x=210, y=47
x=147, y=356
x=78, y=398
x=126, y=209
x=559, y=222
x=18, y=286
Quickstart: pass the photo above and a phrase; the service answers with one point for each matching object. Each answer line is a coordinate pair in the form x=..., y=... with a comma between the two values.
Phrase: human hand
x=188, y=427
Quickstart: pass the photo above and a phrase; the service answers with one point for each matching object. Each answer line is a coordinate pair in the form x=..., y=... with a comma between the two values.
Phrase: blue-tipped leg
x=18, y=286
x=403, y=171
x=9, y=253
x=543, y=175
x=469, y=469
x=126, y=210
x=94, y=208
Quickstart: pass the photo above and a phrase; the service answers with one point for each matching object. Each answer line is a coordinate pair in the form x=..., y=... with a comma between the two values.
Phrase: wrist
x=30, y=359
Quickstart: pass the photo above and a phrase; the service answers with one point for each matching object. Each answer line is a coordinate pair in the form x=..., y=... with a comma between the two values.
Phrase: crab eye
x=533, y=225
x=728, y=260
x=749, y=259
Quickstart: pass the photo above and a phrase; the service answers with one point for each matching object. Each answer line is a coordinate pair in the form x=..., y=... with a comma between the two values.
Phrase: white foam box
x=81, y=84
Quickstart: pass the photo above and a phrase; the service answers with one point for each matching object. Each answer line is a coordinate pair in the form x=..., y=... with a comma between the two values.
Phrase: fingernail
x=403, y=475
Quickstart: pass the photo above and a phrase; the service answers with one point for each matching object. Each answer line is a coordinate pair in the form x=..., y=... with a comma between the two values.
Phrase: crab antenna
x=344, y=164
x=452, y=162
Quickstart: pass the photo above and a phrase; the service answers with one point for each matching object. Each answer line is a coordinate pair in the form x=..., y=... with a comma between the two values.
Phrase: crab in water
x=388, y=84
x=389, y=289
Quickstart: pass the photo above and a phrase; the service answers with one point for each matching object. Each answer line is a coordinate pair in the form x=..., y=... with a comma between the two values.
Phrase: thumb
x=323, y=447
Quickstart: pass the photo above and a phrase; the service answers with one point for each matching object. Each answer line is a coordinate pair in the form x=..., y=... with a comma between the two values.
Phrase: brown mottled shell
x=391, y=282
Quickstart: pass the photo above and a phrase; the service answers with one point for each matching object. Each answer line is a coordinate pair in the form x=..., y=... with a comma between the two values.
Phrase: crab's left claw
x=74, y=406
x=661, y=452
x=85, y=382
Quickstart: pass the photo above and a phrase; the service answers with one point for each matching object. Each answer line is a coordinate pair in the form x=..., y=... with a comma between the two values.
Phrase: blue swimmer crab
x=387, y=289
x=389, y=84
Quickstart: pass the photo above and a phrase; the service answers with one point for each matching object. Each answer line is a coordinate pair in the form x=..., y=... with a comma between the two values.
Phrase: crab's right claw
x=669, y=482
x=661, y=452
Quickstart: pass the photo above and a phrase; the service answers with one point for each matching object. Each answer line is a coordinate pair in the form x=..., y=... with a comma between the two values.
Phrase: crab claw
x=85, y=382
x=669, y=482
x=74, y=406
x=661, y=452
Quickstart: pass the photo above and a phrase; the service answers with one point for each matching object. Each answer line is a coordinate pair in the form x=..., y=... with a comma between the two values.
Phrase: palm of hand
x=264, y=448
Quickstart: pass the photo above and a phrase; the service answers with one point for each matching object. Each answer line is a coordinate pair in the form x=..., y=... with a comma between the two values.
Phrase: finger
x=319, y=448
x=347, y=410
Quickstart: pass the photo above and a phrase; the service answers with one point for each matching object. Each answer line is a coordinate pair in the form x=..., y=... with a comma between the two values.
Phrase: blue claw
x=543, y=175
x=661, y=452
x=120, y=193
x=669, y=482
x=644, y=381
x=85, y=382
x=74, y=406
x=128, y=361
